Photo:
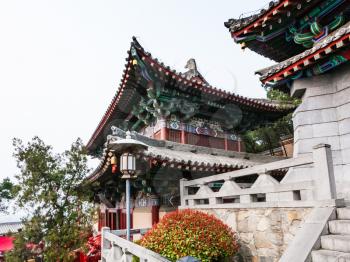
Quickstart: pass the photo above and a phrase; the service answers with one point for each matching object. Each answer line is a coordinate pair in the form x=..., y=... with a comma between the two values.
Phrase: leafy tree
x=282, y=97
x=52, y=186
x=268, y=137
x=7, y=192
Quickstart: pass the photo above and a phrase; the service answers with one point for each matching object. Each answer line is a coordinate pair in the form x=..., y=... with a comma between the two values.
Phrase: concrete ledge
x=277, y=204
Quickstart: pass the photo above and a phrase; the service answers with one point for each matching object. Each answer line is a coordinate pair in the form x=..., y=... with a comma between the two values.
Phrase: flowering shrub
x=191, y=233
x=94, y=245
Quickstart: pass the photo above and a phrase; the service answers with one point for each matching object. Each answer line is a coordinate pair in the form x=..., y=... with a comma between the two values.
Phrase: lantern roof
x=126, y=144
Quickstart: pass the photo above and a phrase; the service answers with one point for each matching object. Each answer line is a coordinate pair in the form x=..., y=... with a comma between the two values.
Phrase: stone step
x=339, y=227
x=343, y=213
x=329, y=256
x=336, y=242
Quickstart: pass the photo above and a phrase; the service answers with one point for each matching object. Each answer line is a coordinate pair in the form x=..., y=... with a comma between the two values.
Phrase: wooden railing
x=265, y=190
x=117, y=249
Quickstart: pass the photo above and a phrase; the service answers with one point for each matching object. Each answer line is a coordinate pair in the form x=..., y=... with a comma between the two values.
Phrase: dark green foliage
x=269, y=137
x=191, y=233
x=7, y=192
x=52, y=187
x=283, y=98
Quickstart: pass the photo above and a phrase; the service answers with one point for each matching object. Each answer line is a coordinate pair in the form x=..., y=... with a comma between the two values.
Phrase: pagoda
x=310, y=41
x=191, y=128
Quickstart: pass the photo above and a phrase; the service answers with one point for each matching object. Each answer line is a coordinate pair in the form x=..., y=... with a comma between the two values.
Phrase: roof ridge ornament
x=192, y=71
x=191, y=65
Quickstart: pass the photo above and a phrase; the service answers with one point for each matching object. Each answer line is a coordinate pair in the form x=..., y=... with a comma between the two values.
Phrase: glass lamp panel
x=131, y=161
x=124, y=162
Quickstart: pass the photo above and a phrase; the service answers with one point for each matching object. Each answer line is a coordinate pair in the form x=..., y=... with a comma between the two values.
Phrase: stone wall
x=324, y=117
x=263, y=233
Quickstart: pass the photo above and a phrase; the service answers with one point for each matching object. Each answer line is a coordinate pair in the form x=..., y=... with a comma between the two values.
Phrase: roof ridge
x=237, y=24
x=205, y=85
x=202, y=86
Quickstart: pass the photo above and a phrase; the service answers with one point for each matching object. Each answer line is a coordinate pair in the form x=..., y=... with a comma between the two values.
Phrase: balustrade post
x=105, y=244
x=323, y=176
x=183, y=191
x=127, y=257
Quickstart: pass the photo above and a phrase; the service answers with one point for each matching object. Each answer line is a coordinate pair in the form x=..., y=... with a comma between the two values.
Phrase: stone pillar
x=105, y=244
x=324, y=118
x=183, y=191
x=324, y=175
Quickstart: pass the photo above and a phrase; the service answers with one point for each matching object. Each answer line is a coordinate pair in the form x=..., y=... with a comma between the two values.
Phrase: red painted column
x=99, y=220
x=239, y=145
x=226, y=143
x=183, y=137
x=163, y=130
x=112, y=221
x=107, y=218
x=122, y=219
x=155, y=214
x=163, y=133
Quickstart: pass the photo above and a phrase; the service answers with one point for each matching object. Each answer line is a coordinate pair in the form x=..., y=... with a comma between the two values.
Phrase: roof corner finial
x=191, y=64
x=193, y=72
x=128, y=135
x=192, y=69
x=136, y=43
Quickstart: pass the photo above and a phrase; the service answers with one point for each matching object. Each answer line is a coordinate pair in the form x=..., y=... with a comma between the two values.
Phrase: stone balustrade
x=117, y=249
x=265, y=190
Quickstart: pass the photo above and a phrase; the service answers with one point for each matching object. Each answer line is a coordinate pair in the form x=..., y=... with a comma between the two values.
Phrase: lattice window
x=215, y=142
x=232, y=145
x=174, y=136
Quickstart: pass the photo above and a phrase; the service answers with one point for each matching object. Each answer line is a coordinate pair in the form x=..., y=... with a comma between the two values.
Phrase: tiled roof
x=185, y=156
x=237, y=24
x=180, y=78
x=207, y=88
x=12, y=227
x=330, y=44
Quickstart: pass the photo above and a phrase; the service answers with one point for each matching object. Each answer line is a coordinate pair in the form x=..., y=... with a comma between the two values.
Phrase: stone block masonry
x=324, y=117
x=263, y=233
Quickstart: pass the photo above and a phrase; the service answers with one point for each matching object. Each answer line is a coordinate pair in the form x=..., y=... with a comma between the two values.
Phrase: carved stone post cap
x=322, y=145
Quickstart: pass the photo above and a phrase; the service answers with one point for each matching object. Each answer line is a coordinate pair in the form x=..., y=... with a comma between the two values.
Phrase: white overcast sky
x=61, y=61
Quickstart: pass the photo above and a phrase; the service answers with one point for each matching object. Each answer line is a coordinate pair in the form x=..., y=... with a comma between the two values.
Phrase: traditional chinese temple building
x=310, y=41
x=191, y=128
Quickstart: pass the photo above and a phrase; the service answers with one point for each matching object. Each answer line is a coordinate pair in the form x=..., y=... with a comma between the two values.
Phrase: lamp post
x=128, y=147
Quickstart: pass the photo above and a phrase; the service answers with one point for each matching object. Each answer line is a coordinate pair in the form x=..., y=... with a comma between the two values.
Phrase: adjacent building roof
x=257, y=19
x=334, y=43
x=133, y=84
x=281, y=30
x=10, y=227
